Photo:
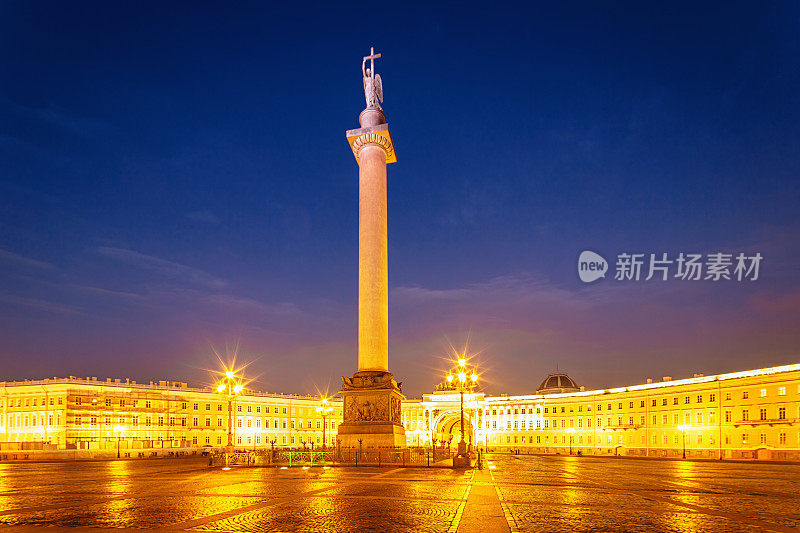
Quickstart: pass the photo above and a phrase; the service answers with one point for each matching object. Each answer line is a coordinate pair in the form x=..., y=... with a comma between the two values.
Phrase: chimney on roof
x=667, y=378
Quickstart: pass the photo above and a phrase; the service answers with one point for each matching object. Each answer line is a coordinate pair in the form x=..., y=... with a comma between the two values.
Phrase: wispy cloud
x=250, y=304
x=163, y=267
x=42, y=305
x=22, y=261
x=99, y=291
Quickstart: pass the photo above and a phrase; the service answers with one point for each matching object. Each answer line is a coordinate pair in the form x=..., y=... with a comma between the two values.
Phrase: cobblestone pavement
x=516, y=493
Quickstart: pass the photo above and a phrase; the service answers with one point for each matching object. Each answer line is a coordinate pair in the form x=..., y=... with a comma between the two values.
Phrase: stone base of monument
x=462, y=461
x=371, y=411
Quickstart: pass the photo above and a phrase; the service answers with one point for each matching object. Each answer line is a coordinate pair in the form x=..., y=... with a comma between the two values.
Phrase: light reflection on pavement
x=538, y=493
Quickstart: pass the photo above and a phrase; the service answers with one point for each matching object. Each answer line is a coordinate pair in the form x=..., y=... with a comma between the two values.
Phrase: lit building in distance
x=72, y=413
x=753, y=414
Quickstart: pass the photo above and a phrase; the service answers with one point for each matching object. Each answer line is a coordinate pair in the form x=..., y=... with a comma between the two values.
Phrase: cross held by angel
x=373, y=88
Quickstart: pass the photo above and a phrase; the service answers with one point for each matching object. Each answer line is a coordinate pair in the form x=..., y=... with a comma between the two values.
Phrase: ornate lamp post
x=323, y=409
x=682, y=428
x=571, y=432
x=462, y=378
x=118, y=429
x=231, y=387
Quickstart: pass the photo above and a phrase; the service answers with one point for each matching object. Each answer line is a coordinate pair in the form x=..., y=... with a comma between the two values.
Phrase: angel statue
x=373, y=88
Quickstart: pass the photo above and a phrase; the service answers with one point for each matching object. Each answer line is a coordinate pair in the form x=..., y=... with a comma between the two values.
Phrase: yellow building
x=72, y=413
x=753, y=414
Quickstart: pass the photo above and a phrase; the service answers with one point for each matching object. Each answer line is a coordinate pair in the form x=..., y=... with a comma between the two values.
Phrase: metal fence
x=352, y=456
x=414, y=456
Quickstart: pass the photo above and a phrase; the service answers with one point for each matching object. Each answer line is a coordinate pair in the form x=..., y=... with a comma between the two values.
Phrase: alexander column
x=372, y=396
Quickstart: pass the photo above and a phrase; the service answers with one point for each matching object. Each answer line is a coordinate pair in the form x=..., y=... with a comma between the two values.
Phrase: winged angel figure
x=373, y=88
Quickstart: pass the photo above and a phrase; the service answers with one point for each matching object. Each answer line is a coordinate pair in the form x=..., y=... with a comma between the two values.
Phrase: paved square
x=515, y=493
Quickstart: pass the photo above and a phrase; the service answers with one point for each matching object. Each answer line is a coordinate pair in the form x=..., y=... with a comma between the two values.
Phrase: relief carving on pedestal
x=395, y=410
x=366, y=409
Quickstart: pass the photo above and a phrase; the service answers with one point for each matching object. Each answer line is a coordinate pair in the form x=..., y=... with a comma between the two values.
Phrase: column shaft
x=373, y=271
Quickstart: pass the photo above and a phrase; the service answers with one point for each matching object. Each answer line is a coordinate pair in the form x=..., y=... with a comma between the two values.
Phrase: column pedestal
x=371, y=411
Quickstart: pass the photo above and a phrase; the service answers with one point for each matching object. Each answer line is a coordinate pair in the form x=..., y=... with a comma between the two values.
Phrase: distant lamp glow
x=119, y=429
x=462, y=378
x=323, y=409
x=682, y=428
x=229, y=386
x=570, y=431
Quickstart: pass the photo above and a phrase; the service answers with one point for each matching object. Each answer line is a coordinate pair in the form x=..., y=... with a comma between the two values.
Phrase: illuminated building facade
x=742, y=415
x=72, y=413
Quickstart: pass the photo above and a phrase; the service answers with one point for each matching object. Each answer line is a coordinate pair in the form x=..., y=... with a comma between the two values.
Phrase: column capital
x=372, y=136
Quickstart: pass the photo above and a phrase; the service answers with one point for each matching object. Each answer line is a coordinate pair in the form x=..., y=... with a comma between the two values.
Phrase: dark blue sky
x=177, y=177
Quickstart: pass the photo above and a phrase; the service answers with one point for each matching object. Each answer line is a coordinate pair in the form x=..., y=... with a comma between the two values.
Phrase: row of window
x=33, y=421
x=697, y=440
x=172, y=422
x=687, y=399
x=32, y=402
x=656, y=419
x=123, y=402
x=763, y=414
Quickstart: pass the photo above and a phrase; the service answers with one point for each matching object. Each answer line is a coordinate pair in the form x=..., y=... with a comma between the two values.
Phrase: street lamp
x=118, y=430
x=231, y=387
x=462, y=377
x=324, y=409
x=682, y=428
x=571, y=432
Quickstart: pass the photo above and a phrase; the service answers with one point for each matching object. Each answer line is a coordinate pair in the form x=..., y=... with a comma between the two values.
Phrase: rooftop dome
x=557, y=382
